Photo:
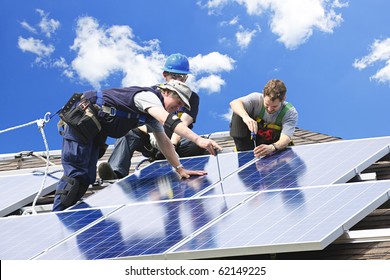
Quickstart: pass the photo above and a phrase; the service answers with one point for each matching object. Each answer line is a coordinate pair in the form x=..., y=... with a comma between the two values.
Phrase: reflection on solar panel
x=144, y=229
x=308, y=165
x=157, y=181
x=286, y=202
x=24, y=237
x=20, y=189
x=287, y=220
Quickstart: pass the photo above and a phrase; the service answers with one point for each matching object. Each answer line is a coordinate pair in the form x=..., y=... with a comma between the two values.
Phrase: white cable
x=41, y=123
x=19, y=126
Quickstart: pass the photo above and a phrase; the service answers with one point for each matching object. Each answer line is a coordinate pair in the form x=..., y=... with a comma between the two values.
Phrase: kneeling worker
x=96, y=115
x=263, y=122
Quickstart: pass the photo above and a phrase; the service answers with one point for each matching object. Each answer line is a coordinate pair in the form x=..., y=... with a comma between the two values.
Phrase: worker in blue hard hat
x=176, y=67
x=177, y=64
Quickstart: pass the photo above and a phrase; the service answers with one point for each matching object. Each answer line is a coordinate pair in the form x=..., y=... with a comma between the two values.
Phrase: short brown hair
x=275, y=89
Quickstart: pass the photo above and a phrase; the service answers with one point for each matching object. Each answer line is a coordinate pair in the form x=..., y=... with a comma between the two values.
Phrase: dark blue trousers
x=79, y=162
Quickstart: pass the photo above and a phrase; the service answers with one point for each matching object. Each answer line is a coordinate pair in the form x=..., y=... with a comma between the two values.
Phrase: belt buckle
x=83, y=105
x=112, y=112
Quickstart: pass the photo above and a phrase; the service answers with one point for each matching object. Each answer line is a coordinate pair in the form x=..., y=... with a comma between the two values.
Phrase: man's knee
x=187, y=148
x=237, y=127
x=243, y=144
x=73, y=190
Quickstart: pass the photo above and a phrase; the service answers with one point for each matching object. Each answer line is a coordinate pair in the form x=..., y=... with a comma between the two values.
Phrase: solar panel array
x=294, y=200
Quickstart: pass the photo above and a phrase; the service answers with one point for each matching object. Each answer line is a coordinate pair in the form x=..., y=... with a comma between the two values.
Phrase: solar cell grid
x=309, y=165
x=26, y=236
x=272, y=221
x=147, y=229
x=340, y=161
x=155, y=182
x=285, y=202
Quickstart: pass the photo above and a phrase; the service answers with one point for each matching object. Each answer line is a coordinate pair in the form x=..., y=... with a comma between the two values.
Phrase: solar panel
x=18, y=189
x=157, y=181
x=340, y=160
x=289, y=201
x=146, y=229
x=309, y=165
x=286, y=220
x=266, y=222
x=231, y=162
x=23, y=237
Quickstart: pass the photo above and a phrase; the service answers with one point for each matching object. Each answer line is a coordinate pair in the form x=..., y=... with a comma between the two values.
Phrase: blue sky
x=333, y=55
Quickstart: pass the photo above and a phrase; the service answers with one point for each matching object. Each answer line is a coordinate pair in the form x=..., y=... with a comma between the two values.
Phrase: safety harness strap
x=114, y=112
x=279, y=118
x=282, y=113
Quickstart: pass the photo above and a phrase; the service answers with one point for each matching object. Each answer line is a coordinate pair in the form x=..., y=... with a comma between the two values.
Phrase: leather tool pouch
x=81, y=116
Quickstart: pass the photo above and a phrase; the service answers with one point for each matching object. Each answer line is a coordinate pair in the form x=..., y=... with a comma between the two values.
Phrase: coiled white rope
x=41, y=124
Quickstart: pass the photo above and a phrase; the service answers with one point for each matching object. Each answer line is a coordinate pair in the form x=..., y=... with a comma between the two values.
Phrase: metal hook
x=47, y=117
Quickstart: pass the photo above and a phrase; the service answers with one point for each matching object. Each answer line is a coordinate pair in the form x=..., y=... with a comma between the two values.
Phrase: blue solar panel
x=307, y=165
x=231, y=162
x=287, y=220
x=19, y=188
x=24, y=237
x=144, y=229
x=285, y=202
x=156, y=182
x=339, y=161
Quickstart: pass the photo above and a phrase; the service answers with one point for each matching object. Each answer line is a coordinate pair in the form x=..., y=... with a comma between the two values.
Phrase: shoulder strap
x=262, y=111
x=280, y=117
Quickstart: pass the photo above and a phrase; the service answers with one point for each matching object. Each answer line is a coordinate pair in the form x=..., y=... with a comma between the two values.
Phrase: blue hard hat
x=177, y=63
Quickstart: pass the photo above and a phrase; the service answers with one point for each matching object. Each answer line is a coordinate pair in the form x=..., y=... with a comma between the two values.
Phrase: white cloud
x=228, y=115
x=212, y=63
x=206, y=71
x=233, y=21
x=48, y=25
x=213, y=5
x=244, y=38
x=35, y=46
x=62, y=64
x=380, y=51
x=102, y=52
x=255, y=7
x=28, y=27
x=293, y=21
x=211, y=83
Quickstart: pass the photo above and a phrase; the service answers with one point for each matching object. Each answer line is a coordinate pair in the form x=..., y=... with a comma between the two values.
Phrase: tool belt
x=81, y=115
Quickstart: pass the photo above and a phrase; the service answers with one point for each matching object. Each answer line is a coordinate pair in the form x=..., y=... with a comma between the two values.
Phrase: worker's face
x=272, y=106
x=172, y=101
x=174, y=76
